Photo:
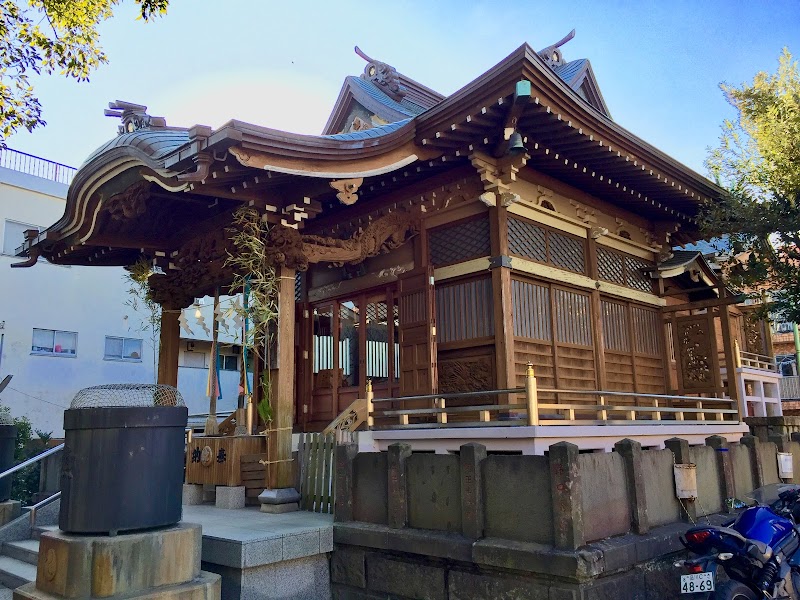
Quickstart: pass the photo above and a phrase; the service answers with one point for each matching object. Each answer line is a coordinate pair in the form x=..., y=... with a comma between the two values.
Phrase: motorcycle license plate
x=697, y=582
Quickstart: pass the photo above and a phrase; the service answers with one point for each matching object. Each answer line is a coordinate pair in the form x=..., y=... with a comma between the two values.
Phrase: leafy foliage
x=758, y=161
x=255, y=278
x=48, y=36
x=141, y=301
x=25, y=483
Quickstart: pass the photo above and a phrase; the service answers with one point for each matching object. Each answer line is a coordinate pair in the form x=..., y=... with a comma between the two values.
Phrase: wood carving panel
x=467, y=374
x=695, y=345
x=129, y=204
x=753, y=334
x=288, y=247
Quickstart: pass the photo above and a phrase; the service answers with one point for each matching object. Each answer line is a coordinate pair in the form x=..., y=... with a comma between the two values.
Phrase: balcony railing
x=36, y=166
x=567, y=407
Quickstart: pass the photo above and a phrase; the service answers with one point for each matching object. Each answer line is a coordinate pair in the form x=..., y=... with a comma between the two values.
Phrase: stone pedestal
x=162, y=564
x=280, y=500
x=192, y=494
x=9, y=510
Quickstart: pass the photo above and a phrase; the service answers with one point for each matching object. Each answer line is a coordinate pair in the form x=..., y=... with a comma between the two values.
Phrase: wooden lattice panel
x=566, y=252
x=647, y=326
x=619, y=372
x=464, y=310
x=616, y=328
x=623, y=269
x=531, y=310
x=637, y=275
x=610, y=266
x=528, y=240
x=573, y=317
x=460, y=242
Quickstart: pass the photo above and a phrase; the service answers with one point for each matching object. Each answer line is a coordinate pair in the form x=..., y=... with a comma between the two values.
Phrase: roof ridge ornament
x=133, y=116
x=552, y=55
x=384, y=76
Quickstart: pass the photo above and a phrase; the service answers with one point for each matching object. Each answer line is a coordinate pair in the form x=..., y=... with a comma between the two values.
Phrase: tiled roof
x=153, y=143
x=679, y=258
x=405, y=106
x=368, y=133
x=569, y=70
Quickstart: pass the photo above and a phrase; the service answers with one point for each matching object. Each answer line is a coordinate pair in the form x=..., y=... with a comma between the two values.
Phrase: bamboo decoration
x=370, y=406
x=212, y=427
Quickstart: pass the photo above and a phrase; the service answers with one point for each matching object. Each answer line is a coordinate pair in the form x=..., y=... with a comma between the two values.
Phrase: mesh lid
x=127, y=394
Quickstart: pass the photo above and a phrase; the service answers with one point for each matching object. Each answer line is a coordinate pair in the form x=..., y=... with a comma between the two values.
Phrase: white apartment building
x=65, y=328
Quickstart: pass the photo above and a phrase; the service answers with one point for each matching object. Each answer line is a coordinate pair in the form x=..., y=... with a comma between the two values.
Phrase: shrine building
x=429, y=246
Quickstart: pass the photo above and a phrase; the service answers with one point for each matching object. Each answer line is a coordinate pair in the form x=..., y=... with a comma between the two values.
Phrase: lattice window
x=636, y=275
x=531, y=310
x=527, y=239
x=464, y=310
x=616, y=330
x=646, y=324
x=610, y=266
x=623, y=269
x=546, y=246
x=460, y=242
x=573, y=317
x=566, y=252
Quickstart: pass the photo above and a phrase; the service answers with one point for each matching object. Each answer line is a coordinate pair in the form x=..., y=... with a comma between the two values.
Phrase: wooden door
x=416, y=300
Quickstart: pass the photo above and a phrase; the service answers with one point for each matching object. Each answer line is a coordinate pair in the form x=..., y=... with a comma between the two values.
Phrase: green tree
x=48, y=36
x=758, y=162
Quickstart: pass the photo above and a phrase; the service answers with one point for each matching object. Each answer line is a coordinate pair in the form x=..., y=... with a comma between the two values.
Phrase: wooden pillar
x=503, y=307
x=731, y=354
x=169, y=343
x=597, y=318
x=283, y=400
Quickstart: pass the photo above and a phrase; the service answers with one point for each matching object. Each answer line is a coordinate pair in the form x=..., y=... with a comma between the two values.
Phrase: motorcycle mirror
x=724, y=556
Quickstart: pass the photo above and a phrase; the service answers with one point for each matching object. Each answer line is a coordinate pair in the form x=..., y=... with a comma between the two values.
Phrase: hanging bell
x=515, y=145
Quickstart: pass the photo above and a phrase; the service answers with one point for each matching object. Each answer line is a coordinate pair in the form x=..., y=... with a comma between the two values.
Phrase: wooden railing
x=757, y=361
x=609, y=408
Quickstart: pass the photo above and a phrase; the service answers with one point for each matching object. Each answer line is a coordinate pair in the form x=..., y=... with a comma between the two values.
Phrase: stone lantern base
x=160, y=565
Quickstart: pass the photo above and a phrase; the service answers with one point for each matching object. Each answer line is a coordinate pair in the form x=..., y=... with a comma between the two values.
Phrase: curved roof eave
x=527, y=59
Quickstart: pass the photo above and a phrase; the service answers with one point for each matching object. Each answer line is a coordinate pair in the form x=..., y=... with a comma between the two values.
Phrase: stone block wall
x=565, y=525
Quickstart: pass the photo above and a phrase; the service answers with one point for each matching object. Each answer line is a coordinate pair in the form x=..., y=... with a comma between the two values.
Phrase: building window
x=229, y=362
x=194, y=359
x=121, y=348
x=14, y=236
x=51, y=342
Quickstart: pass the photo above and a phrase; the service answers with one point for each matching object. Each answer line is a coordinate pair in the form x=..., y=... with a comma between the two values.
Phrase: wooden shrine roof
x=200, y=172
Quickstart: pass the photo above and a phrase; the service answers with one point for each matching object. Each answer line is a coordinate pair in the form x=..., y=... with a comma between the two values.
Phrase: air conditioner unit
x=236, y=350
x=190, y=346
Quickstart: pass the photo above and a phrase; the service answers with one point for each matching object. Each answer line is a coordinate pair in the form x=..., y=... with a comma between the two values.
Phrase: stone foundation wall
x=566, y=525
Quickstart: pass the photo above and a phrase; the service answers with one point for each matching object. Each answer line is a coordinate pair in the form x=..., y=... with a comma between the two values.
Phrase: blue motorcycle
x=758, y=551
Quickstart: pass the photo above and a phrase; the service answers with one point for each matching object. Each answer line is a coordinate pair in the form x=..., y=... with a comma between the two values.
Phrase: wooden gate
x=316, y=456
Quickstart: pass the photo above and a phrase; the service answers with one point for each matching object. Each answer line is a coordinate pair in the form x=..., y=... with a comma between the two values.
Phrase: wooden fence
x=316, y=457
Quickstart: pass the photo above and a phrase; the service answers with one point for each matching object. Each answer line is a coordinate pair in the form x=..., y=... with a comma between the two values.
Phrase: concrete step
x=14, y=573
x=25, y=550
x=39, y=530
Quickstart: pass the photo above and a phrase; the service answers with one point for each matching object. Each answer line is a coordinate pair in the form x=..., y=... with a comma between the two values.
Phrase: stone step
x=36, y=532
x=14, y=573
x=25, y=550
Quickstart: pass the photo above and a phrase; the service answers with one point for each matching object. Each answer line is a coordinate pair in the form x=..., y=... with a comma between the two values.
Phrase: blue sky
x=281, y=64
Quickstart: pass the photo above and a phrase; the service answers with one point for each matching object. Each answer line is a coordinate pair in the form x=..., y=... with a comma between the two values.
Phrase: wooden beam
x=729, y=350
x=169, y=347
x=724, y=301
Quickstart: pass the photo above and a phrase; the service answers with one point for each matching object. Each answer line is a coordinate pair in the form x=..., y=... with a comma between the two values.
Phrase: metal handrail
x=32, y=461
x=36, y=166
x=41, y=504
